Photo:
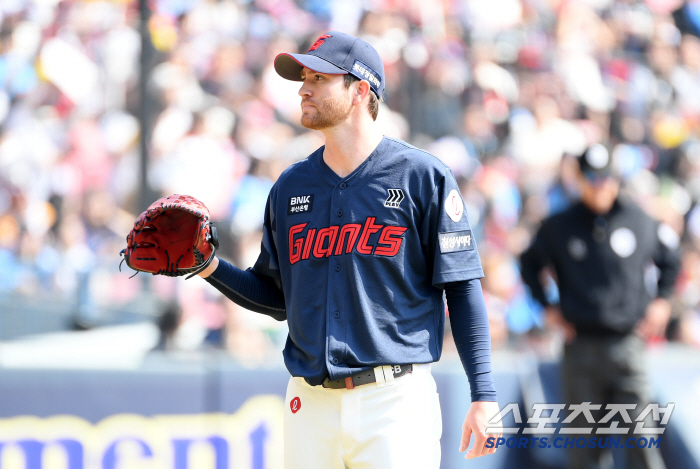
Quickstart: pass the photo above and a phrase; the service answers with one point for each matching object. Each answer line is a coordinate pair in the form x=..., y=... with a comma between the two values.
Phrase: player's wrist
x=210, y=268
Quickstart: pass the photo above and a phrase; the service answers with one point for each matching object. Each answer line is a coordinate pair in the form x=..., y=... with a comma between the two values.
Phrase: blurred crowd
x=503, y=91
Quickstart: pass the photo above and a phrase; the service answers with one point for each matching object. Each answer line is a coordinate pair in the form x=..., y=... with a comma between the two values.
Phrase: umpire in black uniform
x=600, y=251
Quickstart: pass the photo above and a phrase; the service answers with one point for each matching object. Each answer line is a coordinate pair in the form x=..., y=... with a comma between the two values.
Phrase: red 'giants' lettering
x=307, y=244
x=391, y=236
x=351, y=230
x=336, y=240
x=369, y=229
x=323, y=233
x=295, y=245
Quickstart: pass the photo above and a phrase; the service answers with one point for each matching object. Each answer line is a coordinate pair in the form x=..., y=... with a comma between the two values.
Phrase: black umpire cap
x=596, y=163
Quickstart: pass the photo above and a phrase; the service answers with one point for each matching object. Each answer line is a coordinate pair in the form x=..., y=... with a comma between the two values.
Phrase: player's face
x=325, y=102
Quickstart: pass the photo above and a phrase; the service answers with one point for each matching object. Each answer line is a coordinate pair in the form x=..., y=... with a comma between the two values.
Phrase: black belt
x=365, y=377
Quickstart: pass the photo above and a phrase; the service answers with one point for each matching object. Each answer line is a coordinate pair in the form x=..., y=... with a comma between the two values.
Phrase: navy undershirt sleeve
x=249, y=290
x=470, y=329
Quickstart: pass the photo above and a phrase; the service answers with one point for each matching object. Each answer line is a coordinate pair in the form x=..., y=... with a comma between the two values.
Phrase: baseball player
x=361, y=241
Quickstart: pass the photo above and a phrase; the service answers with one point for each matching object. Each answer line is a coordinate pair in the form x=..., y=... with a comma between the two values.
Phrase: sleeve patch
x=455, y=241
x=454, y=207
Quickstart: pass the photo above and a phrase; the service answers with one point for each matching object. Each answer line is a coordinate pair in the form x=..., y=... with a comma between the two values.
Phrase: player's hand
x=478, y=417
x=655, y=320
x=556, y=321
x=210, y=268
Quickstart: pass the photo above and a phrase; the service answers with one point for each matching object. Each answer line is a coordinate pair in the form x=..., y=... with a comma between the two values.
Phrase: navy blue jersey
x=362, y=260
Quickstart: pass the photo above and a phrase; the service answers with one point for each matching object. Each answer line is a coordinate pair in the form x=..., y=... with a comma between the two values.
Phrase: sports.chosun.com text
x=573, y=442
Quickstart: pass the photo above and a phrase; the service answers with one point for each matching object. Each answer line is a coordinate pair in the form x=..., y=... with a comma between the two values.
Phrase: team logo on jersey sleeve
x=300, y=204
x=454, y=207
x=394, y=199
x=455, y=241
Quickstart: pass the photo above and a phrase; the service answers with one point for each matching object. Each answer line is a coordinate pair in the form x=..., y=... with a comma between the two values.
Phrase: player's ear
x=361, y=91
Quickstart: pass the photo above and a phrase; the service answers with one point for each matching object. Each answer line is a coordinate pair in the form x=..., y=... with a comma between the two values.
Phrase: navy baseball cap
x=336, y=53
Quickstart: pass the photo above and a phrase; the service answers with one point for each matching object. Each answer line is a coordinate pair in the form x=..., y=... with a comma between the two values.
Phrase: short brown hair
x=373, y=105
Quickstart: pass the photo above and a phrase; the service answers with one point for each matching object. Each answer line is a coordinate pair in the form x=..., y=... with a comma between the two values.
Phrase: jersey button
x=336, y=314
x=335, y=361
x=343, y=185
x=337, y=267
x=340, y=212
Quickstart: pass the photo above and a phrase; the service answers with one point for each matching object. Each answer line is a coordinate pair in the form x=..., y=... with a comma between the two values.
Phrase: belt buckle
x=401, y=370
x=337, y=384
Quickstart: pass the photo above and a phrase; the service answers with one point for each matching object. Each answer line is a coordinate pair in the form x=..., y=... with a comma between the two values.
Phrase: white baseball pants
x=385, y=425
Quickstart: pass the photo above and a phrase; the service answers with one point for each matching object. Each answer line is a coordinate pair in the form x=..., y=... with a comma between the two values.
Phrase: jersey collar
x=355, y=178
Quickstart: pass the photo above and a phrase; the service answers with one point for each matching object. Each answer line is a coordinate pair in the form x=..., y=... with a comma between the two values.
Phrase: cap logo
x=364, y=72
x=319, y=41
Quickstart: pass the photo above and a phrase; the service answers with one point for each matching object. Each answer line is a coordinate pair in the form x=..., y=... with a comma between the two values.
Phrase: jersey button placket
x=336, y=199
x=342, y=186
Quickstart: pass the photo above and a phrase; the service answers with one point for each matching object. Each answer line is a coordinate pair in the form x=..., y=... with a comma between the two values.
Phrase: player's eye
x=319, y=77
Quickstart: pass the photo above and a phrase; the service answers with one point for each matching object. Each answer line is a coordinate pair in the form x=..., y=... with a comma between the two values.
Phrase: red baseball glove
x=173, y=237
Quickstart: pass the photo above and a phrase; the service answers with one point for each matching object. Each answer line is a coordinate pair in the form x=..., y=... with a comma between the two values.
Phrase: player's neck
x=349, y=144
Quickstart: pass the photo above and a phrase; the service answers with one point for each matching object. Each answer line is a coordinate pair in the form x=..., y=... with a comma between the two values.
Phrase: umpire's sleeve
x=532, y=263
x=667, y=259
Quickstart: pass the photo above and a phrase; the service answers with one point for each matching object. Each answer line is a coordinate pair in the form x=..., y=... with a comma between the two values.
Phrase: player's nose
x=304, y=90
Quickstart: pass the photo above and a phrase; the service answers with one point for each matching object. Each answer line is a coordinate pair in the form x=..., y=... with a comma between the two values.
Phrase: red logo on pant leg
x=295, y=405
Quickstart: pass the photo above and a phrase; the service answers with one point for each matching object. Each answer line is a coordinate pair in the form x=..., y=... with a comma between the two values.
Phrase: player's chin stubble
x=329, y=113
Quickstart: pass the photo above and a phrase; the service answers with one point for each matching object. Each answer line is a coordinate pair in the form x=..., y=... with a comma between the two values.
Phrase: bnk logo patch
x=455, y=241
x=300, y=204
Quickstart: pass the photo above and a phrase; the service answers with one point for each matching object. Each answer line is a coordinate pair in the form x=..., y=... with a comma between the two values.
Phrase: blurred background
x=107, y=105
